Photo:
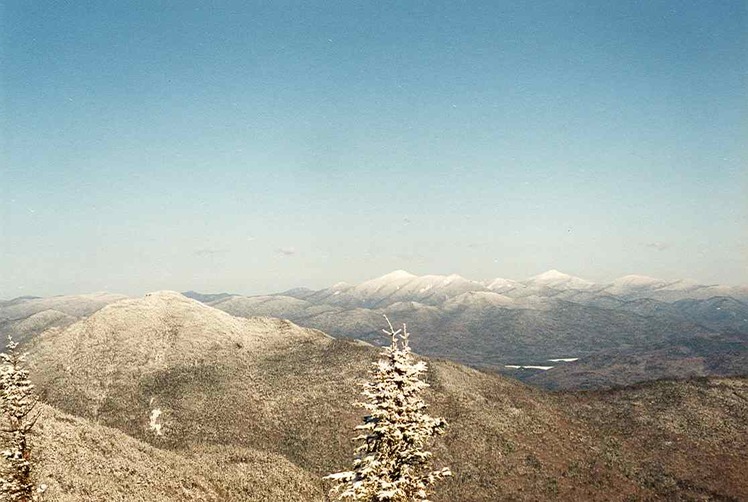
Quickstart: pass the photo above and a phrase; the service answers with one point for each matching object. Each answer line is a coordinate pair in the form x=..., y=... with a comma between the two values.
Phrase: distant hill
x=18, y=299
x=205, y=298
x=27, y=316
x=36, y=323
x=72, y=305
x=267, y=385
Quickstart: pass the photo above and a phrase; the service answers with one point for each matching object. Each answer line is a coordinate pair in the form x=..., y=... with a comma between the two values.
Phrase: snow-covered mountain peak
x=397, y=275
x=401, y=286
x=392, y=281
x=501, y=285
x=555, y=279
x=637, y=281
x=551, y=275
x=499, y=281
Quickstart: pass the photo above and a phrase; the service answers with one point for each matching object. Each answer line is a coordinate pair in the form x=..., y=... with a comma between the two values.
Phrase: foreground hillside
x=267, y=385
x=79, y=460
x=695, y=433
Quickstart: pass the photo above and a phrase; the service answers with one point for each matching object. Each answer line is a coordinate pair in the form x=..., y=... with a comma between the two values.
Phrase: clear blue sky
x=254, y=146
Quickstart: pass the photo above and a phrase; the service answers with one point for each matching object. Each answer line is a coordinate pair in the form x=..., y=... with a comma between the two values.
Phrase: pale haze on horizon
x=253, y=147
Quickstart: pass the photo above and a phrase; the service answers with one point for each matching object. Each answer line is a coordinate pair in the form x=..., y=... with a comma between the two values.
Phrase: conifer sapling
x=391, y=463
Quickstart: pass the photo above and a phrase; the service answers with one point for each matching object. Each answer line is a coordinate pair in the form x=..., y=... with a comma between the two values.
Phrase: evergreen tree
x=391, y=463
x=17, y=403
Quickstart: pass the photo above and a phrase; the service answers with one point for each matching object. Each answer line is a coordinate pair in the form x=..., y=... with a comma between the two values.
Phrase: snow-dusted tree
x=391, y=463
x=17, y=403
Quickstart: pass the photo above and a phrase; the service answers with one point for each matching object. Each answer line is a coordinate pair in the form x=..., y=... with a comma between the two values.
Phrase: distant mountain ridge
x=74, y=305
x=27, y=316
x=205, y=298
x=500, y=323
x=432, y=289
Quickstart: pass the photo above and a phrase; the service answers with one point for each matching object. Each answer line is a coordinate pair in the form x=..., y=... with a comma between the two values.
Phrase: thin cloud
x=286, y=251
x=210, y=251
x=659, y=246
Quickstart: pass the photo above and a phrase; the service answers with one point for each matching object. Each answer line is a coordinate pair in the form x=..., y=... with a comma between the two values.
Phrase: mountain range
x=553, y=330
x=260, y=409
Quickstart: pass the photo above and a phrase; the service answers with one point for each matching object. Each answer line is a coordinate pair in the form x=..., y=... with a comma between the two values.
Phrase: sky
x=252, y=147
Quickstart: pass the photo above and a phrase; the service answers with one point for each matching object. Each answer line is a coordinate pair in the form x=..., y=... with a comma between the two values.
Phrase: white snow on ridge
x=556, y=279
x=391, y=281
x=637, y=281
x=683, y=285
x=439, y=280
x=666, y=290
x=501, y=284
x=397, y=275
x=401, y=285
x=563, y=360
x=413, y=282
x=551, y=275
